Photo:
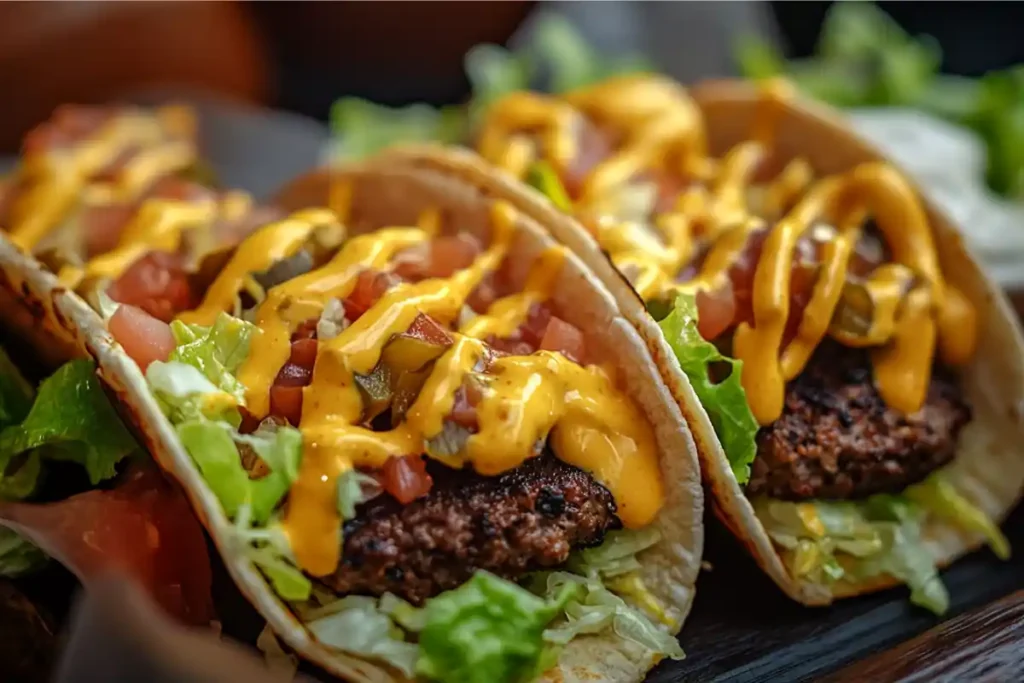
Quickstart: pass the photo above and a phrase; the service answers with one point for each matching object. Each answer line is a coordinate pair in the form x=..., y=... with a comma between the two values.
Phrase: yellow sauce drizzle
x=56, y=179
x=523, y=399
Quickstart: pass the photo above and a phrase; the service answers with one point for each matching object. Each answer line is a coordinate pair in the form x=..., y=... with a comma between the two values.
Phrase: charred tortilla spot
x=837, y=438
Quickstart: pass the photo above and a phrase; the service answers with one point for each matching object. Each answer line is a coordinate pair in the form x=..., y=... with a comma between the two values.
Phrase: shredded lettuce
x=592, y=608
x=216, y=351
x=17, y=556
x=364, y=128
x=725, y=400
x=214, y=447
x=544, y=178
x=616, y=556
x=855, y=541
x=488, y=630
x=936, y=495
x=267, y=547
x=185, y=393
x=71, y=419
x=355, y=488
x=356, y=625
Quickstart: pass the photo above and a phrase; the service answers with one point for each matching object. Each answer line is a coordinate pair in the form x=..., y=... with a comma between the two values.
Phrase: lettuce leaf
x=73, y=418
x=363, y=128
x=267, y=547
x=543, y=178
x=185, y=393
x=936, y=495
x=825, y=542
x=17, y=556
x=216, y=351
x=357, y=625
x=214, y=447
x=15, y=392
x=487, y=630
x=724, y=401
x=592, y=608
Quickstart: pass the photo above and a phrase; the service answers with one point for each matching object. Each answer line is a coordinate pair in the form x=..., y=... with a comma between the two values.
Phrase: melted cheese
x=56, y=179
x=523, y=400
x=258, y=252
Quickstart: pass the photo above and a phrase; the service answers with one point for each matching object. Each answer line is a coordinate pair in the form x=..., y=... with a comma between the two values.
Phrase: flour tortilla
x=386, y=195
x=989, y=468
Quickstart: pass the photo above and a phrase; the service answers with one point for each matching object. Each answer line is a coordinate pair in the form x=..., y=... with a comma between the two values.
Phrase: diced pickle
x=405, y=354
x=375, y=390
x=406, y=387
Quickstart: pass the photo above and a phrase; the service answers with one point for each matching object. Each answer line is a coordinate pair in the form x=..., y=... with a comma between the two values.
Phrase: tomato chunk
x=286, y=402
x=304, y=353
x=716, y=311
x=464, y=408
x=565, y=338
x=370, y=286
x=405, y=478
x=156, y=283
x=450, y=254
x=102, y=225
x=144, y=338
x=429, y=330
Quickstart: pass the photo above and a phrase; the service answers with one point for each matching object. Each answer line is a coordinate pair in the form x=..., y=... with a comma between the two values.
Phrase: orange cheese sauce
x=656, y=127
x=523, y=399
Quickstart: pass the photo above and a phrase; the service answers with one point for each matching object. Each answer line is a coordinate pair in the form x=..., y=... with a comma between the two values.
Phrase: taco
x=434, y=451
x=852, y=379
x=115, y=203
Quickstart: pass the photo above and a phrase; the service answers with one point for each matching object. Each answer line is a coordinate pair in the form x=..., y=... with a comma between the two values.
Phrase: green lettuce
x=368, y=128
x=15, y=392
x=856, y=541
x=488, y=630
x=17, y=556
x=71, y=419
x=185, y=393
x=725, y=400
x=216, y=351
x=267, y=547
x=543, y=177
x=214, y=447
x=356, y=624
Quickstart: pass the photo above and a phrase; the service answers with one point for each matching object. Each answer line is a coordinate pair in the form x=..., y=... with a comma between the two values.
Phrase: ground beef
x=524, y=520
x=838, y=439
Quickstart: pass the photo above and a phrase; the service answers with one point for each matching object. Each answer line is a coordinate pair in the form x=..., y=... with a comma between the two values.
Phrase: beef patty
x=837, y=438
x=526, y=519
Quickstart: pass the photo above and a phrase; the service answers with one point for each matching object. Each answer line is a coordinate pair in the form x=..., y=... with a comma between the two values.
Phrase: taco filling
x=811, y=317
x=417, y=448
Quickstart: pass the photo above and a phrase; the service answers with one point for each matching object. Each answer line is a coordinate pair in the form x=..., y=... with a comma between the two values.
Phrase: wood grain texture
x=986, y=644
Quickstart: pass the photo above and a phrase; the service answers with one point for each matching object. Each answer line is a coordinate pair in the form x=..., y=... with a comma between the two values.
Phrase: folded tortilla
x=385, y=194
x=988, y=469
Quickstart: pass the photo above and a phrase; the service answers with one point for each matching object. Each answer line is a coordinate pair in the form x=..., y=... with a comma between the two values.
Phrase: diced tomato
x=102, y=225
x=536, y=324
x=464, y=408
x=370, y=286
x=143, y=527
x=405, y=478
x=564, y=338
x=69, y=125
x=286, y=402
x=293, y=375
x=305, y=330
x=304, y=353
x=450, y=254
x=156, y=283
x=144, y=338
x=510, y=347
x=485, y=294
x=171, y=187
x=716, y=311
x=429, y=330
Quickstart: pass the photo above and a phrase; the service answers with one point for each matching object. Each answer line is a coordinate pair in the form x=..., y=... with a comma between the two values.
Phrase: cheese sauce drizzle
x=912, y=309
x=159, y=144
x=524, y=400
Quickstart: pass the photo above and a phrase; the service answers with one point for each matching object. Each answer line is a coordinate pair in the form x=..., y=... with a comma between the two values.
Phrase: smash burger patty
x=837, y=438
x=526, y=519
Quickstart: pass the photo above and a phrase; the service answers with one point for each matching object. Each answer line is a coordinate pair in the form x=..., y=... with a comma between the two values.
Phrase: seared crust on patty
x=526, y=519
x=837, y=438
